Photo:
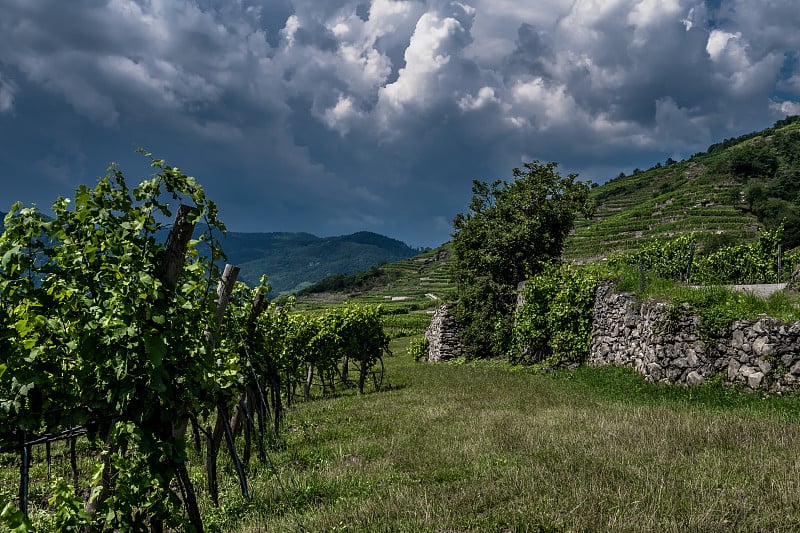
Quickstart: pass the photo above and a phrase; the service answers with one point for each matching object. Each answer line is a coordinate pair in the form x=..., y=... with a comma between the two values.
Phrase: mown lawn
x=487, y=448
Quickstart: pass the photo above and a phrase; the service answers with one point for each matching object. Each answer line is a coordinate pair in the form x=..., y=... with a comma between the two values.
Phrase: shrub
x=418, y=348
x=553, y=325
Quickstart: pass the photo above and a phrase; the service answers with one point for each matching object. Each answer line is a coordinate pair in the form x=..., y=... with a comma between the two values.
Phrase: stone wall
x=442, y=334
x=666, y=347
x=762, y=354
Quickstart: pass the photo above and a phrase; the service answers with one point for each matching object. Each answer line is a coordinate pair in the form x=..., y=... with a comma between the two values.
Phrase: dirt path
x=764, y=290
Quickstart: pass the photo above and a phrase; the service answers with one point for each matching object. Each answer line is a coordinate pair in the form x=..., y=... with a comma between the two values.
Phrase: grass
x=488, y=448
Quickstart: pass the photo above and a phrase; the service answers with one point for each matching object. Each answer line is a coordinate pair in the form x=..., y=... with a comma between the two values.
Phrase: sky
x=337, y=116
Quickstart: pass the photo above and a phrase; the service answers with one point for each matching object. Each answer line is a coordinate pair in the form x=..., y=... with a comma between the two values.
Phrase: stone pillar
x=442, y=334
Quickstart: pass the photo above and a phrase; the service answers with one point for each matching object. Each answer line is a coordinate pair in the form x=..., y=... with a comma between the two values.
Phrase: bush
x=553, y=326
x=418, y=348
x=508, y=230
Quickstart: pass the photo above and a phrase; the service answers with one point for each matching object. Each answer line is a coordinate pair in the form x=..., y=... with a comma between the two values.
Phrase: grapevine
x=112, y=332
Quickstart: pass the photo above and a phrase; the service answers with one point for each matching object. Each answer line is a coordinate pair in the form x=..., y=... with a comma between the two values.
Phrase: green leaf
x=25, y=389
x=156, y=349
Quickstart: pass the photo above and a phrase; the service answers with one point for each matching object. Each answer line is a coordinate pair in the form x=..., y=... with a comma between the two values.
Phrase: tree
x=508, y=233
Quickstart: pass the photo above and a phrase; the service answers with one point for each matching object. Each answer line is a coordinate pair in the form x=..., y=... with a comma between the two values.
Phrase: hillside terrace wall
x=762, y=354
x=667, y=347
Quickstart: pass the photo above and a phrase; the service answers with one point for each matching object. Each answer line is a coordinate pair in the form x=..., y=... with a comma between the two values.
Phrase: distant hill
x=296, y=260
x=724, y=195
x=411, y=285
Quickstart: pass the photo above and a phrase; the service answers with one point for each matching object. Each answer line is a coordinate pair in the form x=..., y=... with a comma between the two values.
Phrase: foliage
x=667, y=259
x=92, y=333
x=287, y=344
x=484, y=314
x=750, y=160
x=508, y=231
x=755, y=262
x=553, y=325
x=418, y=348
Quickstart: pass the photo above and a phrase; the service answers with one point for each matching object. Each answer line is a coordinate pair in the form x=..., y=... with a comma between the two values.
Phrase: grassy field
x=484, y=447
x=487, y=448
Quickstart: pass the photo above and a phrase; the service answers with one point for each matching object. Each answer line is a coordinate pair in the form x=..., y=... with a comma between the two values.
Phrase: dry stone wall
x=667, y=347
x=442, y=334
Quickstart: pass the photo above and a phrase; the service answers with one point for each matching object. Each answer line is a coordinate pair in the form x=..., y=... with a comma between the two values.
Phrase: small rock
x=695, y=378
x=754, y=380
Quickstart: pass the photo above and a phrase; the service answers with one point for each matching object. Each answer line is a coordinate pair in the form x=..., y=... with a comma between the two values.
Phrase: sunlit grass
x=488, y=448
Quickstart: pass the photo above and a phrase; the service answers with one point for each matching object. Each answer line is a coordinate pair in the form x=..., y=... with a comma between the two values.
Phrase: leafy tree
x=753, y=161
x=509, y=231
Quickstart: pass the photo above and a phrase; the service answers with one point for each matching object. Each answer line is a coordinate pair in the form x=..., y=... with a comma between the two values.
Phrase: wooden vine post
x=222, y=426
x=240, y=417
x=168, y=270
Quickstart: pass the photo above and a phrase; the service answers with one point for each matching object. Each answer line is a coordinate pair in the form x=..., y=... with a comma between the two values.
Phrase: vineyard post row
x=107, y=335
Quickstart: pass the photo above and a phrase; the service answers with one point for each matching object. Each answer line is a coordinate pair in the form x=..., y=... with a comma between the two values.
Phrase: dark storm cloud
x=338, y=116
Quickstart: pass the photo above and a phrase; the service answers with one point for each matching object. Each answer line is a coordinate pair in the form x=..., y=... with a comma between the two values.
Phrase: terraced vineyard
x=635, y=209
x=416, y=287
x=707, y=194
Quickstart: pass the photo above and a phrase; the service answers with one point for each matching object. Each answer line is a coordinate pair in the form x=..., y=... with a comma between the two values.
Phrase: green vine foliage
x=755, y=262
x=92, y=336
x=553, y=325
x=663, y=258
x=418, y=348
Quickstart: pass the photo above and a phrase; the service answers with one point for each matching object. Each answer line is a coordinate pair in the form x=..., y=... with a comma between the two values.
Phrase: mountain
x=725, y=195
x=295, y=260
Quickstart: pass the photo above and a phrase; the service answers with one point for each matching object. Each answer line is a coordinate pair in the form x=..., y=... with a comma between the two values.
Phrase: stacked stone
x=442, y=334
x=626, y=332
x=762, y=354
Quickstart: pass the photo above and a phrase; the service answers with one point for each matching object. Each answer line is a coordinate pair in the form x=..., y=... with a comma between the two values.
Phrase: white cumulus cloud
x=720, y=41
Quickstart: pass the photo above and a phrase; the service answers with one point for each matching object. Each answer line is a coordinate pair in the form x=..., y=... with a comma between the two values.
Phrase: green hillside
x=412, y=284
x=408, y=290
x=295, y=260
x=725, y=195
